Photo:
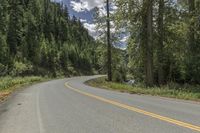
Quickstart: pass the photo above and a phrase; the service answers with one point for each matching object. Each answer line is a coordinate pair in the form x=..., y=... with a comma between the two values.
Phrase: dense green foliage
x=38, y=37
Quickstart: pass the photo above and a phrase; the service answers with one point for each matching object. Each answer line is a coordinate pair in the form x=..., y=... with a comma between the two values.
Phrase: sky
x=84, y=10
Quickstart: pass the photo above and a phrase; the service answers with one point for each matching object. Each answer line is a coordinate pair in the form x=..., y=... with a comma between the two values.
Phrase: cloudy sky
x=84, y=9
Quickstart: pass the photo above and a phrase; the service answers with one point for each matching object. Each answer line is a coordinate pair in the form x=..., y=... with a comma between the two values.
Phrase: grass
x=9, y=84
x=172, y=90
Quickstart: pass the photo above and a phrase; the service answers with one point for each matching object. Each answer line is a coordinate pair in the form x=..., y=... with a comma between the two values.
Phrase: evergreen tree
x=3, y=16
x=15, y=28
x=109, y=54
x=147, y=41
x=193, y=44
x=4, y=52
x=160, y=47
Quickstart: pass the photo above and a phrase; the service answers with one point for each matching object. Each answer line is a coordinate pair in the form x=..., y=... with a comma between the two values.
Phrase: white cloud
x=102, y=12
x=83, y=20
x=92, y=29
x=78, y=7
x=88, y=5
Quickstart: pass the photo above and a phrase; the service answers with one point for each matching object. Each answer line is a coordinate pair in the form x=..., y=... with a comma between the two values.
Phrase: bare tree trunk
x=147, y=41
x=150, y=44
x=191, y=27
x=160, y=53
x=109, y=56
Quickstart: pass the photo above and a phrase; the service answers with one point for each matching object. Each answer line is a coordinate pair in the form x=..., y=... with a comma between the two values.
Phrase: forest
x=163, y=44
x=38, y=37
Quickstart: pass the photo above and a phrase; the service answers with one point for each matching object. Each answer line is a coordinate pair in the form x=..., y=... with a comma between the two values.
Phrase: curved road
x=69, y=106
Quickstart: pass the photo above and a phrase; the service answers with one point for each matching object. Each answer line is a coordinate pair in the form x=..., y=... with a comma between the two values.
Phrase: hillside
x=38, y=37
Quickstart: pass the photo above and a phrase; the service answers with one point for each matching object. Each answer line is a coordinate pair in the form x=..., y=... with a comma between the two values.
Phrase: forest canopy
x=164, y=42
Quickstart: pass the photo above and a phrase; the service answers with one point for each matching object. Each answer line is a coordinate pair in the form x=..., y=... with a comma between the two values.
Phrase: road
x=69, y=106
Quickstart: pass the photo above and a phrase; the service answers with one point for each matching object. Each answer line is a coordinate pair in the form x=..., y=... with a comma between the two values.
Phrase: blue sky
x=84, y=9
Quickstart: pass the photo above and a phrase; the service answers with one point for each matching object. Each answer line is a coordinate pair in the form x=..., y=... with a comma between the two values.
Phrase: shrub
x=117, y=77
x=21, y=69
x=9, y=82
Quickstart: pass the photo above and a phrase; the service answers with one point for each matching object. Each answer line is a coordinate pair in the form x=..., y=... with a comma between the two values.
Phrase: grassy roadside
x=9, y=84
x=186, y=92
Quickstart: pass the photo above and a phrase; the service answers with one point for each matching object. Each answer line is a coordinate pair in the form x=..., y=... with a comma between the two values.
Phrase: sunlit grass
x=9, y=84
x=187, y=92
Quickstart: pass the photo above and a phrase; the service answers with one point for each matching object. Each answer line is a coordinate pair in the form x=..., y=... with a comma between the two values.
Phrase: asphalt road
x=69, y=106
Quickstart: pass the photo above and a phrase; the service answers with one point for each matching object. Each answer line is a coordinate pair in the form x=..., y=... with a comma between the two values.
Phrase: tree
x=191, y=25
x=3, y=16
x=32, y=39
x=15, y=35
x=160, y=51
x=109, y=60
x=147, y=41
x=193, y=44
x=4, y=53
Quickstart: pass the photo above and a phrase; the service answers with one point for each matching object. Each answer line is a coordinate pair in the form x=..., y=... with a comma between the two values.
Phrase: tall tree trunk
x=109, y=60
x=193, y=50
x=147, y=41
x=191, y=34
x=160, y=53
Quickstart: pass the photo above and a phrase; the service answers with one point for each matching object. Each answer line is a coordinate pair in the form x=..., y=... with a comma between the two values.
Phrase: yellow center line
x=131, y=108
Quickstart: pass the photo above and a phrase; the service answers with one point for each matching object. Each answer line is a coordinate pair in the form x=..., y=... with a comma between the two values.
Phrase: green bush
x=9, y=82
x=21, y=69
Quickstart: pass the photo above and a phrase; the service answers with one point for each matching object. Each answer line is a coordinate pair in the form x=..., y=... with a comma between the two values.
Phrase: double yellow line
x=163, y=118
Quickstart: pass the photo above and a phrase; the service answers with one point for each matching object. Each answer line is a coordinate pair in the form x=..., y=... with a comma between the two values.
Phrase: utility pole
x=109, y=60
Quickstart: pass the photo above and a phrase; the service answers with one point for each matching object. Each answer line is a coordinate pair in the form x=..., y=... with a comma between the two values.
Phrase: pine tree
x=3, y=16
x=160, y=50
x=109, y=56
x=193, y=44
x=4, y=53
x=147, y=41
x=15, y=29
